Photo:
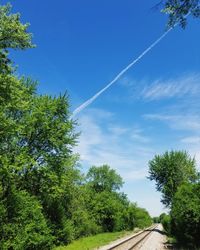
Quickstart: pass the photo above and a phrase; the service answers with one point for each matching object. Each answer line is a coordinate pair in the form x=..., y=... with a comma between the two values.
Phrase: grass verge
x=91, y=242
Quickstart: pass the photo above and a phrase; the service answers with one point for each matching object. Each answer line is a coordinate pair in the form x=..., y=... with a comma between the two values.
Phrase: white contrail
x=93, y=98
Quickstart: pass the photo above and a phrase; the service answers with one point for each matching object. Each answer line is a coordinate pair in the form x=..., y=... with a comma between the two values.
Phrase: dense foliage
x=104, y=179
x=165, y=219
x=111, y=209
x=177, y=178
x=169, y=171
x=185, y=214
x=44, y=199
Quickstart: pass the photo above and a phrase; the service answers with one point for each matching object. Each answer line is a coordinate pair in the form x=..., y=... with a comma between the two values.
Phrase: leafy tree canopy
x=104, y=178
x=169, y=171
x=13, y=35
x=185, y=214
x=37, y=166
x=177, y=10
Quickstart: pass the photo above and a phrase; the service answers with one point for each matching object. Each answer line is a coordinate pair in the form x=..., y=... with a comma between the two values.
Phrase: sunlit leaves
x=178, y=11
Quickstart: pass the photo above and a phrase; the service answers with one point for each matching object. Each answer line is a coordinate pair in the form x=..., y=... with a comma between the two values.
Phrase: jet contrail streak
x=93, y=98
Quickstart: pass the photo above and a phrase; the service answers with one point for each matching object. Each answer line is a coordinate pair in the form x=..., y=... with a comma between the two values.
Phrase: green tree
x=105, y=207
x=13, y=34
x=166, y=222
x=177, y=10
x=142, y=218
x=169, y=171
x=162, y=216
x=105, y=203
x=156, y=219
x=185, y=214
x=104, y=178
x=110, y=208
x=22, y=225
x=44, y=200
x=81, y=214
x=37, y=137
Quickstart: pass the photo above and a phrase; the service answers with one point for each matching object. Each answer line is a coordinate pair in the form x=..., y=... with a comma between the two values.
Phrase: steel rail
x=139, y=241
x=133, y=237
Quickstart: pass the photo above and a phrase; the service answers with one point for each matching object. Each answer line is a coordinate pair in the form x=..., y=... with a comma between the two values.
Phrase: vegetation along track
x=134, y=241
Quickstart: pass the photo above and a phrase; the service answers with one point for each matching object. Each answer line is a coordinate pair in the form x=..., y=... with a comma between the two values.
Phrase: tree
x=185, y=214
x=169, y=171
x=177, y=10
x=165, y=219
x=110, y=208
x=44, y=200
x=142, y=218
x=36, y=158
x=22, y=223
x=105, y=203
x=13, y=35
x=104, y=178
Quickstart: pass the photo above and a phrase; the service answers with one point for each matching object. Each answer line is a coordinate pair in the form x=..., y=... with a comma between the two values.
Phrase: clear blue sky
x=82, y=45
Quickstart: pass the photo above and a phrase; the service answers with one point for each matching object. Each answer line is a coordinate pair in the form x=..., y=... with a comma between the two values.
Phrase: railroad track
x=133, y=242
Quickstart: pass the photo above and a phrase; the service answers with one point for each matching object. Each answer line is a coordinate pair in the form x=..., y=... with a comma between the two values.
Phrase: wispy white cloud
x=181, y=90
x=136, y=174
x=177, y=87
x=117, y=130
x=191, y=140
x=186, y=124
x=179, y=122
x=138, y=135
x=124, y=148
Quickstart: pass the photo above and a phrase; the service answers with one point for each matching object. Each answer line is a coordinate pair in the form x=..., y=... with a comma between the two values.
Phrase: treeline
x=178, y=180
x=44, y=198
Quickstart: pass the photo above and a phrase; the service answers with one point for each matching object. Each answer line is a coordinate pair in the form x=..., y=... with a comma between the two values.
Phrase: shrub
x=185, y=214
x=166, y=222
x=24, y=226
x=142, y=218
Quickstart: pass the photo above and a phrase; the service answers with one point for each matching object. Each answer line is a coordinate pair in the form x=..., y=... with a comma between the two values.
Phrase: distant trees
x=104, y=178
x=110, y=208
x=177, y=10
x=142, y=218
x=177, y=178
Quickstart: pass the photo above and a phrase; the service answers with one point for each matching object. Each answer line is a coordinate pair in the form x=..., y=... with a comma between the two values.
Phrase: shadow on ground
x=175, y=246
x=156, y=230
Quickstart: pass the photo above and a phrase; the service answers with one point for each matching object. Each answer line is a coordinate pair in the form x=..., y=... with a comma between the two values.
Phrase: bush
x=84, y=223
x=185, y=214
x=142, y=218
x=166, y=222
x=24, y=225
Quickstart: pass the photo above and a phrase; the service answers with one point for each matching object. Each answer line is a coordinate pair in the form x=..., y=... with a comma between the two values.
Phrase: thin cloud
x=172, y=88
x=137, y=134
x=178, y=122
x=123, y=148
x=137, y=174
x=119, y=75
x=191, y=140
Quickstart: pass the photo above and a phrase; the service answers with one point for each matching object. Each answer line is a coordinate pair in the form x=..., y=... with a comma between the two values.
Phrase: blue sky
x=154, y=107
